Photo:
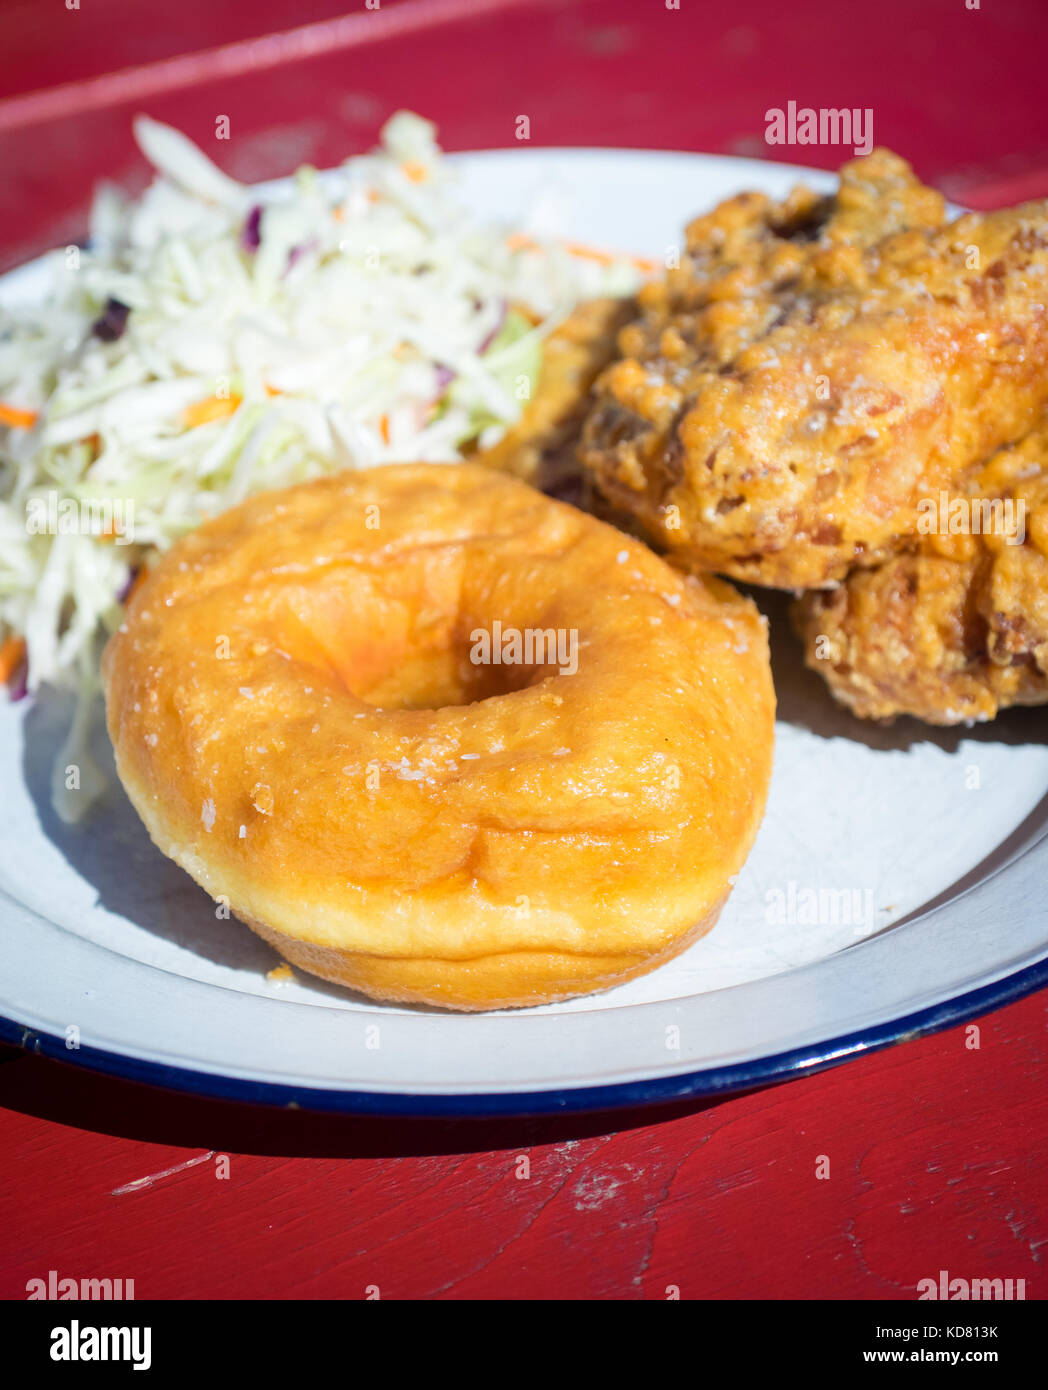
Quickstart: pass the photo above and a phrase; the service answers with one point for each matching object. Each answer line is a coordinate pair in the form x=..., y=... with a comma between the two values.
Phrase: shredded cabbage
x=212, y=341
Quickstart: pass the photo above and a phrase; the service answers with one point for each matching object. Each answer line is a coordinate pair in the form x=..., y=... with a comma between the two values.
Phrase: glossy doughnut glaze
x=308, y=714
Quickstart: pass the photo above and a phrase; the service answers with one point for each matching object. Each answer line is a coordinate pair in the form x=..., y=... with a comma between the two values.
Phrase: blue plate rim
x=708, y=1082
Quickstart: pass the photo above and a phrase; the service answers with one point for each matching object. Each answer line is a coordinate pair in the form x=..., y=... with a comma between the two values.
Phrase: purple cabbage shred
x=128, y=585
x=297, y=252
x=490, y=337
x=251, y=234
x=110, y=324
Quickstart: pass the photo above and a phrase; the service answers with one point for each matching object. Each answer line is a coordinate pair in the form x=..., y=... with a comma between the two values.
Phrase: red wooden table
x=935, y=1149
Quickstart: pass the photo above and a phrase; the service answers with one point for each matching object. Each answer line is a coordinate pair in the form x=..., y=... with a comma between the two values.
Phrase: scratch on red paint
x=151, y=1178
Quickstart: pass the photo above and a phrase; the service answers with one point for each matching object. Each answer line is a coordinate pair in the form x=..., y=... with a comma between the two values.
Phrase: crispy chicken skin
x=814, y=368
x=955, y=630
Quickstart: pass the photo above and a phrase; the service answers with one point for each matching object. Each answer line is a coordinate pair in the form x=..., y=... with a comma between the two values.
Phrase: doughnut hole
x=405, y=638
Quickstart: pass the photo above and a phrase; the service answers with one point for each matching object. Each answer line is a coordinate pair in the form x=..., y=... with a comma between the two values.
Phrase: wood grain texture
x=936, y=1161
x=587, y=72
x=936, y=1151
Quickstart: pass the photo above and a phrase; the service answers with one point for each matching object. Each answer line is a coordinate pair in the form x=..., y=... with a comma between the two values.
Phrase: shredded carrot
x=17, y=418
x=109, y=532
x=592, y=253
x=416, y=172
x=383, y=427
x=12, y=654
x=273, y=390
x=519, y=242
x=589, y=253
x=210, y=408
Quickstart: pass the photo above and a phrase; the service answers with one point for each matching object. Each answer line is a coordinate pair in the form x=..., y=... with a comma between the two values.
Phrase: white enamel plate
x=897, y=883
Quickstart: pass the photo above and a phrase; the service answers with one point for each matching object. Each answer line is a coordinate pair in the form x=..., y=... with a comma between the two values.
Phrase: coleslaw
x=212, y=341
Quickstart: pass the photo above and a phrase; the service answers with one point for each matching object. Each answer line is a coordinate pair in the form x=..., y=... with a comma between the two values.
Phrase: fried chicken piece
x=958, y=629
x=814, y=368
x=541, y=446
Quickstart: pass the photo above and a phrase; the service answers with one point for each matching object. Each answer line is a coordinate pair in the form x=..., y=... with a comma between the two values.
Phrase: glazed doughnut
x=303, y=718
